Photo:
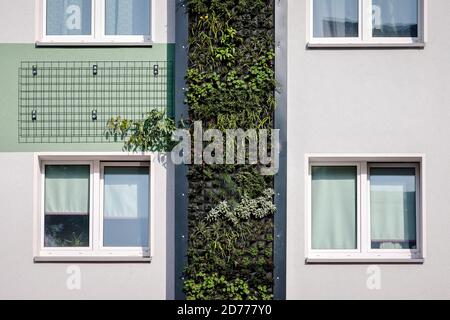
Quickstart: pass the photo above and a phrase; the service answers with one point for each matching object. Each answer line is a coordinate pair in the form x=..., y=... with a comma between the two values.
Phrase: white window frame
x=64, y=250
x=364, y=252
x=98, y=33
x=365, y=38
x=139, y=251
x=96, y=251
x=413, y=252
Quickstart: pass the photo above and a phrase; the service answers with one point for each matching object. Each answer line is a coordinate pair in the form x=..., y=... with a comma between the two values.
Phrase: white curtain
x=127, y=17
x=393, y=208
x=126, y=206
x=395, y=18
x=68, y=17
x=335, y=18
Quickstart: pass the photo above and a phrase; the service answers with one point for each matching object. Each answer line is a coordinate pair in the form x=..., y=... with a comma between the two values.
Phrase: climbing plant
x=231, y=84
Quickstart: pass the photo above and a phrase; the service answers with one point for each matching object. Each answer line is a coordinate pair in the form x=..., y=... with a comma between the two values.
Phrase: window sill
x=105, y=44
x=61, y=259
x=365, y=261
x=417, y=45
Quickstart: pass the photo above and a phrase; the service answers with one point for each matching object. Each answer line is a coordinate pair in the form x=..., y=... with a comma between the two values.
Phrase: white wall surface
x=370, y=101
x=21, y=278
x=18, y=21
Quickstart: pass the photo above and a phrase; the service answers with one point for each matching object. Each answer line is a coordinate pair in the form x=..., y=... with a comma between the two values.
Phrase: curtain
x=67, y=189
x=127, y=17
x=126, y=206
x=395, y=18
x=335, y=18
x=334, y=203
x=393, y=208
x=69, y=17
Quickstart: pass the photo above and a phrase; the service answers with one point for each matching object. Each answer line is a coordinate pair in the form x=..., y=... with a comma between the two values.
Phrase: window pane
x=395, y=18
x=68, y=17
x=66, y=231
x=393, y=208
x=127, y=17
x=66, y=205
x=126, y=207
x=335, y=18
x=334, y=213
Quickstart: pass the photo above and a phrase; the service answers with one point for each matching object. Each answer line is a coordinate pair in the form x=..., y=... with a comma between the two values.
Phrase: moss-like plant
x=231, y=84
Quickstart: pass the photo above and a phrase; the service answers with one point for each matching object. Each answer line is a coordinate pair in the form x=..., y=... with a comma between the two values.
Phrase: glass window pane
x=126, y=207
x=335, y=18
x=393, y=208
x=68, y=17
x=66, y=205
x=395, y=18
x=127, y=17
x=66, y=231
x=334, y=203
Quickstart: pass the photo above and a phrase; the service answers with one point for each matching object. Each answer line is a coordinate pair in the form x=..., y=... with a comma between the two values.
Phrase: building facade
x=369, y=96
x=362, y=111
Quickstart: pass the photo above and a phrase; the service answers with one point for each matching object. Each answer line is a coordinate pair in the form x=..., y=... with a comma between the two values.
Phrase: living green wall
x=231, y=85
x=11, y=56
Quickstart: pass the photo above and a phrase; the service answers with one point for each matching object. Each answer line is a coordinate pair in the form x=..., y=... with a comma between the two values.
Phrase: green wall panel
x=11, y=56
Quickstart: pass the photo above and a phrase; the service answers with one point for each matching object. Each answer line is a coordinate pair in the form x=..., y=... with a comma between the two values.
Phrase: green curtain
x=334, y=203
x=393, y=208
x=67, y=189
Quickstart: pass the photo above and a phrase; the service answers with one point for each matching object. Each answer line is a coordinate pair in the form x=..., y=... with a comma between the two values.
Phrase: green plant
x=75, y=241
x=230, y=84
x=258, y=208
x=154, y=133
x=215, y=287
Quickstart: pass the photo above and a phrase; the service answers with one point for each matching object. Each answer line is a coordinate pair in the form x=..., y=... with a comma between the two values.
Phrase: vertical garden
x=230, y=85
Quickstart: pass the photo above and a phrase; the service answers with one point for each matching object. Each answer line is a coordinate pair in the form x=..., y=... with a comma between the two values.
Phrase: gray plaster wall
x=369, y=101
x=21, y=278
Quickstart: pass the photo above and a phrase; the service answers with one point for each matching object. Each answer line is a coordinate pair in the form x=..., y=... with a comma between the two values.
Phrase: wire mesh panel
x=71, y=101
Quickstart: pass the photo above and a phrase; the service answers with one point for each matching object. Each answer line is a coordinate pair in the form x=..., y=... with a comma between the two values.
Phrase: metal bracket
x=94, y=70
x=155, y=70
x=94, y=115
x=34, y=115
x=34, y=70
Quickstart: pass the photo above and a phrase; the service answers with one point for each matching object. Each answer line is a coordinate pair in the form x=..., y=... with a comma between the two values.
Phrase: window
x=364, y=210
x=67, y=205
x=367, y=22
x=96, y=21
x=95, y=208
